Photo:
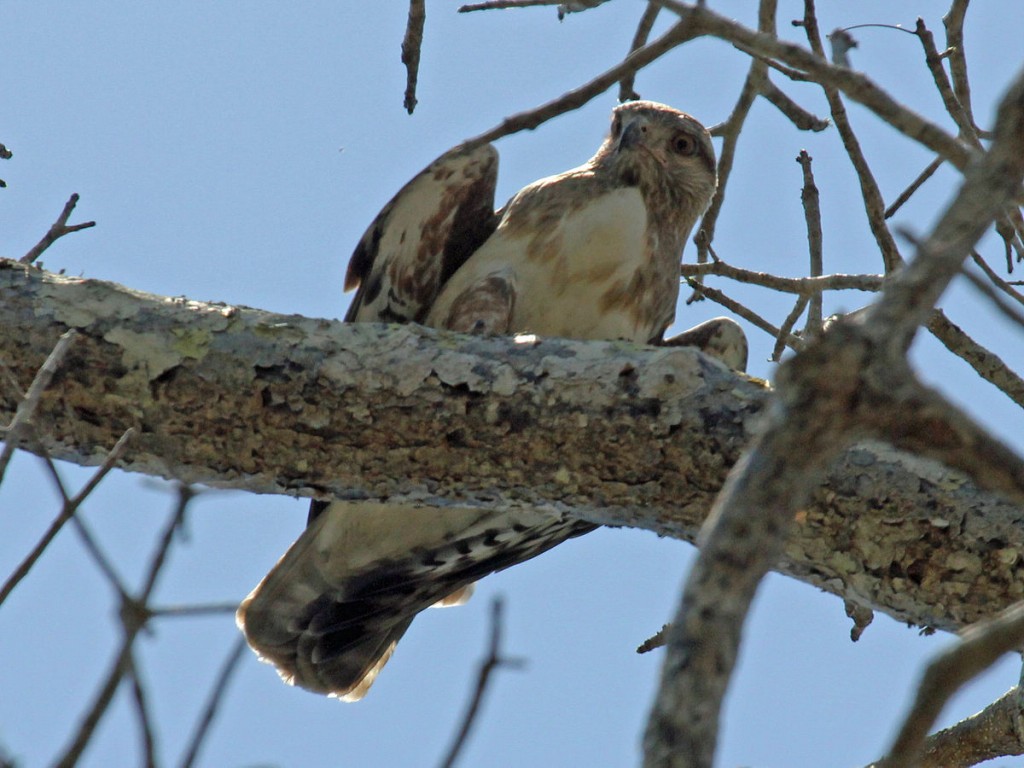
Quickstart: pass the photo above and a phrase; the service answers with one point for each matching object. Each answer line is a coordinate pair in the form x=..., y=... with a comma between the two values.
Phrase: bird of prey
x=591, y=253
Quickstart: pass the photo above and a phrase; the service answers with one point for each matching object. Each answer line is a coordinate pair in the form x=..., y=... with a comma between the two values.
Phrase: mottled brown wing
x=422, y=236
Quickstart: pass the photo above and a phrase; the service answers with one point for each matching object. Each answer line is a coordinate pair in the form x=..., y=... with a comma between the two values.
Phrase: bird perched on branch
x=592, y=253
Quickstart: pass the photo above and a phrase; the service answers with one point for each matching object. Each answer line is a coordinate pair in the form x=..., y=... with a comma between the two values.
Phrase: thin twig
x=493, y=660
x=213, y=701
x=982, y=645
x=58, y=230
x=85, y=536
x=703, y=291
x=1006, y=309
x=55, y=475
x=133, y=620
x=100, y=704
x=69, y=508
x=922, y=177
x=804, y=286
x=1006, y=231
x=678, y=34
x=10, y=381
x=1001, y=284
x=800, y=117
x=657, y=640
x=986, y=363
x=411, y=50
x=812, y=215
x=100, y=559
x=953, y=106
x=953, y=21
x=27, y=407
x=494, y=5
x=142, y=712
x=1011, y=229
x=643, y=31
x=812, y=67
x=757, y=75
x=874, y=205
x=785, y=330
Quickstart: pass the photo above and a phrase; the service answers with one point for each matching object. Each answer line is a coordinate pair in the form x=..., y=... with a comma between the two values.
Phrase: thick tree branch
x=612, y=432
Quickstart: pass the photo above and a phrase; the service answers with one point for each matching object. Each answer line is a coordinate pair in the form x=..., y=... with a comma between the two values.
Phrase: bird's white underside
x=601, y=242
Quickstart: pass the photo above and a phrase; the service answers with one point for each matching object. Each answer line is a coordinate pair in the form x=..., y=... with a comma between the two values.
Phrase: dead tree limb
x=615, y=433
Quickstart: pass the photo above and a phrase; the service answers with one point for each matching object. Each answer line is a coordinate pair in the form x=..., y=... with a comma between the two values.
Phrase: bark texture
x=613, y=433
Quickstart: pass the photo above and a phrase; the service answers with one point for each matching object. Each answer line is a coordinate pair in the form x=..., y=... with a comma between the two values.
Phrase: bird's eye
x=683, y=144
x=616, y=126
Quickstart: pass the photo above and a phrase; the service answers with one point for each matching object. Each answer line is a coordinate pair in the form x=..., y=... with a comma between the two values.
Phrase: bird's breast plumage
x=579, y=255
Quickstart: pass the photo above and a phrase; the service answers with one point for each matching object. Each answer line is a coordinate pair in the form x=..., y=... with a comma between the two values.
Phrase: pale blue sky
x=235, y=151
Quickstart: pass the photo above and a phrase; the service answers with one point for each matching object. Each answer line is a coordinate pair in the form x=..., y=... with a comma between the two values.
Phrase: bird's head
x=664, y=151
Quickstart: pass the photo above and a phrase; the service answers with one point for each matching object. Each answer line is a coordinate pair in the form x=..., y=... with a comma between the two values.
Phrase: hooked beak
x=631, y=135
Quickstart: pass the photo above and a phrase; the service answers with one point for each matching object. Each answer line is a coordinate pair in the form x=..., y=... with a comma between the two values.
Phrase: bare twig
x=1011, y=229
x=786, y=329
x=133, y=618
x=643, y=31
x=874, y=205
x=23, y=416
x=804, y=286
x=10, y=381
x=678, y=34
x=954, y=24
x=493, y=5
x=813, y=67
x=986, y=363
x=757, y=76
x=1001, y=284
x=88, y=540
x=59, y=228
x=100, y=559
x=812, y=215
x=411, y=50
x=69, y=508
x=988, y=185
x=985, y=287
x=905, y=195
x=953, y=106
x=577, y=6
x=1008, y=231
x=101, y=702
x=702, y=291
x=800, y=117
x=142, y=712
x=657, y=640
x=983, y=644
x=492, y=661
x=213, y=702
